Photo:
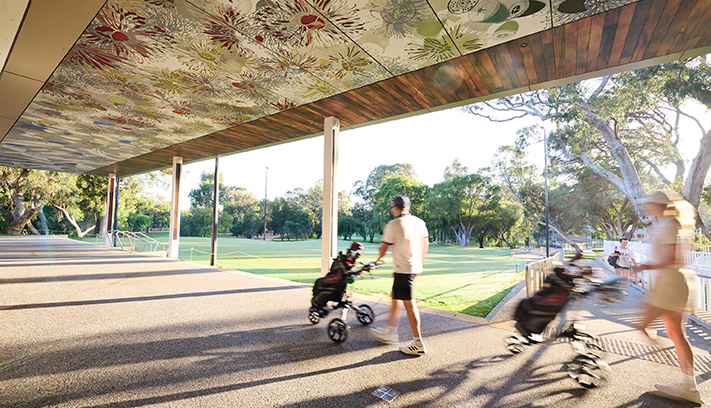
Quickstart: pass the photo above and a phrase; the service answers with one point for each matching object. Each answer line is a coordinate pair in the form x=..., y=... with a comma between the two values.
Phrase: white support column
x=174, y=233
x=329, y=219
x=110, y=208
x=215, y=212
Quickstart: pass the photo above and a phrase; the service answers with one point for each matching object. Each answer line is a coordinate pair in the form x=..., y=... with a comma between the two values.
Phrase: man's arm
x=382, y=250
x=425, y=247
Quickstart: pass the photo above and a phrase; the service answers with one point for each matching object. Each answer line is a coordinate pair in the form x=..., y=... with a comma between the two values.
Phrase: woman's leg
x=651, y=313
x=674, y=325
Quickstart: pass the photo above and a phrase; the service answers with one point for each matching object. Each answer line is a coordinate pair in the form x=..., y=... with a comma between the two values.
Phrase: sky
x=429, y=142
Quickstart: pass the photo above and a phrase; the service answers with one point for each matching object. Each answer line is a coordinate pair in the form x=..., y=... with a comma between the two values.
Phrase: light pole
x=266, y=173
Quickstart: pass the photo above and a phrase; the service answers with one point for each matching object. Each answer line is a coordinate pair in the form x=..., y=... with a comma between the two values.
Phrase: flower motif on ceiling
x=352, y=62
x=285, y=105
x=297, y=24
x=166, y=80
x=397, y=18
x=201, y=84
x=444, y=47
x=202, y=55
x=126, y=34
x=316, y=89
x=62, y=90
x=222, y=28
x=230, y=115
x=183, y=108
x=295, y=63
x=250, y=86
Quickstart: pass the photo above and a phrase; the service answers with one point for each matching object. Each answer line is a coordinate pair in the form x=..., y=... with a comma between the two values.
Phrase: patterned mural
x=147, y=74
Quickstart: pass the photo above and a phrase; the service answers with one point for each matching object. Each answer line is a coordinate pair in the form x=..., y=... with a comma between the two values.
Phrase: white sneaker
x=680, y=391
x=414, y=349
x=385, y=335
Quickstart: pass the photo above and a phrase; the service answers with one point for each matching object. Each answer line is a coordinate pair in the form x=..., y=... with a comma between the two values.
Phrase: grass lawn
x=464, y=280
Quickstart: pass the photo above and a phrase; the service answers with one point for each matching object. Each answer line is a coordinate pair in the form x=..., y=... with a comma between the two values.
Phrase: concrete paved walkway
x=86, y=326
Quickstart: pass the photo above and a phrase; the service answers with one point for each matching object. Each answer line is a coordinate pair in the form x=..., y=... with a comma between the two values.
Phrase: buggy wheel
x=589, y=372
x=514, y=345
x=366, y=315
x=337, y=330
x=314, y=316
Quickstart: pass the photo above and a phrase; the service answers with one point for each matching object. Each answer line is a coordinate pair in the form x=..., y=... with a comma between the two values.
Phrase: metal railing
x=137, y=241
x=699, y=262
x=536, y=272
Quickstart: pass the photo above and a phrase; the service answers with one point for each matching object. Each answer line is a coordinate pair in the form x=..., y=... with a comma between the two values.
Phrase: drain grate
x=386, y=393
x=649, y=353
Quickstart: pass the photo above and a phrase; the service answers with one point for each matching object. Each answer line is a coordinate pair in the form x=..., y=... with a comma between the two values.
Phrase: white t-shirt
x=623, y=260
x=405, y=234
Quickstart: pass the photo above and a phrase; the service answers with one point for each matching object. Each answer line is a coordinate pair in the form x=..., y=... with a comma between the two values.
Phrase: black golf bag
x=533, y=314
x=332, y=287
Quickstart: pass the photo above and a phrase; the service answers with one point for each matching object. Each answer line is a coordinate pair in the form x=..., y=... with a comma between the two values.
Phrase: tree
x=624, y=127
x=349, y=226
x=14, y=184
x=238, y=202
x=460, y=203
x=397, y=186
x=138, y=222
x=250, y=226
x=287, y=219
x=456, y=169
x=366, y=191
x=198, y=222
x=202, y=196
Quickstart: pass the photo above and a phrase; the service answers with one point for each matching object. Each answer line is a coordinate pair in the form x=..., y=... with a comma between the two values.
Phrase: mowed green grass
x=463, y=280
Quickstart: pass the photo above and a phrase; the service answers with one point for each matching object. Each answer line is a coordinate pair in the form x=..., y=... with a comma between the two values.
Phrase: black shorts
x=402, y=286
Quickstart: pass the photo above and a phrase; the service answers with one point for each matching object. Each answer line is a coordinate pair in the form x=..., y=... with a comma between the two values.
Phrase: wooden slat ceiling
x=634, y=35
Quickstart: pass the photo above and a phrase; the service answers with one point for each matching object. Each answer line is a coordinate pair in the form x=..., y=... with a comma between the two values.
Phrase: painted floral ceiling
x=147, y=74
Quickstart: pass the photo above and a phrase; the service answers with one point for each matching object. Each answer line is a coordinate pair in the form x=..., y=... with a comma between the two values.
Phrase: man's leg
x=388, y=334
x=415, y=347
x=413, y=317
x=394, y=314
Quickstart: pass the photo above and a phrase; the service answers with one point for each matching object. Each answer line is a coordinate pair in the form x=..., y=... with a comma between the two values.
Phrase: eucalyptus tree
x=625, y=128
x=462, y=204
x=367, y=189
x=397, y=186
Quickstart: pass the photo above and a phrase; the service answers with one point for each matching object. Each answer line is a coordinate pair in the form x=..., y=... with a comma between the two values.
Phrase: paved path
x=87, y=326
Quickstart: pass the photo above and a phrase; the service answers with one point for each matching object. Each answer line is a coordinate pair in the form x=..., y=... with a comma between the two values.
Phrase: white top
x=623, y=260
x=405, y=234
x=665, y=232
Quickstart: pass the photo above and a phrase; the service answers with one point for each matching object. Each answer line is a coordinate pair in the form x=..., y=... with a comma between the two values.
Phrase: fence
x=536, y=272
x=700, y=262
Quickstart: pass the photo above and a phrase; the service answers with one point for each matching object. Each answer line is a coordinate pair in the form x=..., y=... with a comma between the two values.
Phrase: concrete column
x=329, y=219
x=110, y=209
x=174, y=234
x=215, y=213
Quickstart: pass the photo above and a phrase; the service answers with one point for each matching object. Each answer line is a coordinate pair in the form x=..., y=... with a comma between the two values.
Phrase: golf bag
x=331, y=287
x=533, y=314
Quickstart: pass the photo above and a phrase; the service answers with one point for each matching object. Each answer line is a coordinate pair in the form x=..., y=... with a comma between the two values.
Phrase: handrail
x=536, y=272
x=137, y=241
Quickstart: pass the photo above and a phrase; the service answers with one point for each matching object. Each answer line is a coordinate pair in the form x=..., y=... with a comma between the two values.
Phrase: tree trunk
x=629, y=184
x=74, y=223
x=694, y=185
x=20, y=215
x=32, y=228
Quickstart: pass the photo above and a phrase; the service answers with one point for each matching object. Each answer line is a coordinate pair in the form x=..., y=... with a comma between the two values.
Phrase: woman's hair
x=680, y=210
